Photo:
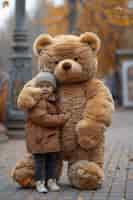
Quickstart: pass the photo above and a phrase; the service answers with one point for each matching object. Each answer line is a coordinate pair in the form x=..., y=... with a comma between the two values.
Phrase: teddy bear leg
x=88, y=173
x=85, y=174
x=23, y=172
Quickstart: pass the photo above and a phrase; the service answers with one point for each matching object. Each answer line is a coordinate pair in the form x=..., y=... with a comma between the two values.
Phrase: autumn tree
x=61, y=19
x=109, y=20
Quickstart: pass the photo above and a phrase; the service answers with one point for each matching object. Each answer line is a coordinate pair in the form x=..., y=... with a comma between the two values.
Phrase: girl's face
x=46, y=87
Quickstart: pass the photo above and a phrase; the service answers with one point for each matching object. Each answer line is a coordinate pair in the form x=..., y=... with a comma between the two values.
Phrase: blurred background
x=22, y=21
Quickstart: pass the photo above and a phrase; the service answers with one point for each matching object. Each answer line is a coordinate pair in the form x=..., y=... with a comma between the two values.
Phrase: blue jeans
x=45, y=166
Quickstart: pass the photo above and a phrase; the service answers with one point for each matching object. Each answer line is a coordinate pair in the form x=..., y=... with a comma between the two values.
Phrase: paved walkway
x=118, y=183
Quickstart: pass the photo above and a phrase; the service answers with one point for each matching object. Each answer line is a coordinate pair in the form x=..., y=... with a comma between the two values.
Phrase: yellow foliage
x=119, y=16
x=107, y=19
x=56, y=20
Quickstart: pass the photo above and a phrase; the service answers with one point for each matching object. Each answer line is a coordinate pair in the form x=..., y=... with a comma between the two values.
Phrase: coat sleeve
x=28, y=96
x=96, y=117
x=41, y=117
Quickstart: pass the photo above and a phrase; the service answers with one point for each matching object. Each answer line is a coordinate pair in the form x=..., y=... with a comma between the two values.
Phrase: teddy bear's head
x=71, y=58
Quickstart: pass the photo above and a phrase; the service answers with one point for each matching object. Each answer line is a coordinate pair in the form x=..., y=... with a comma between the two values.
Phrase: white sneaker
x=52, y=185
x=40, y=187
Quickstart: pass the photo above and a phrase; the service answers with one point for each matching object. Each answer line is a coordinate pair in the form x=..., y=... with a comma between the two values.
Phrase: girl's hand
x=35, y=93
x=44, y=93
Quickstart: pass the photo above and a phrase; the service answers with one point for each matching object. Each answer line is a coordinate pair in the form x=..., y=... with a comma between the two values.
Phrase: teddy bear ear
x=41, y=41
x=92, y=40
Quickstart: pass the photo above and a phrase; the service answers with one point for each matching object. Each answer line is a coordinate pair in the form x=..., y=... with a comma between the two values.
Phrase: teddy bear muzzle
x=68, y=70
x=66, y=66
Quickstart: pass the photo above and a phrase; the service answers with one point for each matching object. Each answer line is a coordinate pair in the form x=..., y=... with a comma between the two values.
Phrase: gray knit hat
x=45, y=76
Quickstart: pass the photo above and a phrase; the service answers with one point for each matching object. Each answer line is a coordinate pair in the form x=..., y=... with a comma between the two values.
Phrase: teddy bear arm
x=97, y=116
x=90, y=133
x=100, y=107
x=28, y=96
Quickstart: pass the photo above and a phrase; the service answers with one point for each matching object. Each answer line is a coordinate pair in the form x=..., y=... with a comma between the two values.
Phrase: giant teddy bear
x=73, y=61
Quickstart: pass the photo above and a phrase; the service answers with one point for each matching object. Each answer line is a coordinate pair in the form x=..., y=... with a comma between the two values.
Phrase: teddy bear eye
x=76, y=58
x=56, y=62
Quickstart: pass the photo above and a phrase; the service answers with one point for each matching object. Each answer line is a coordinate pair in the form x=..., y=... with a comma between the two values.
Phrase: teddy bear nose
x=66, y=66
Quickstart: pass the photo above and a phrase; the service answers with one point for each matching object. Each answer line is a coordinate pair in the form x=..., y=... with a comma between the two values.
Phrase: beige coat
x=43, y=127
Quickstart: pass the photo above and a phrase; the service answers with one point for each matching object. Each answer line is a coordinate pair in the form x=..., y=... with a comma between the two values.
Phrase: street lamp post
x=20, y=66
x=72, y=15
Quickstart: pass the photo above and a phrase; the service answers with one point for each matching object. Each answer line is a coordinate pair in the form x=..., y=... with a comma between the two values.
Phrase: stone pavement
x=118, y=167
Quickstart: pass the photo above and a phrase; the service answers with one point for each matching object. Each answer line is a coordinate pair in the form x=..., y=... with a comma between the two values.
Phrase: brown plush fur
x=73, y=60
x=23, y=172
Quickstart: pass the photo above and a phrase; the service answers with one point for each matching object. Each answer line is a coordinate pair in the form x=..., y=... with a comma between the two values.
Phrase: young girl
x=44, y=121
